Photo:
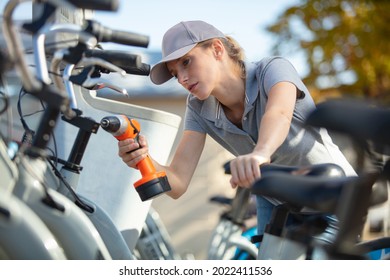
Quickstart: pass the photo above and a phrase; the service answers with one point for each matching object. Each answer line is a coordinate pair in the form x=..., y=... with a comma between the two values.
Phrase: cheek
x=204, y=90
x=206, y=74
x=209, y=79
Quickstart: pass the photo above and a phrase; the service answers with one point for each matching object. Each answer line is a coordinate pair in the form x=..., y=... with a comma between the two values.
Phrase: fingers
x=142, y=141
x=127, y=146
x=245, y=170
x=132, y=152
x=232, y=183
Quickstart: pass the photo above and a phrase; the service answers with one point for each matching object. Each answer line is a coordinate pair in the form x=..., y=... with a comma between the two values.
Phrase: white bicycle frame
x=75, y=230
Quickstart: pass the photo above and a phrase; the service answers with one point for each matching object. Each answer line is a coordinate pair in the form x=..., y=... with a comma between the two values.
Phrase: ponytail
x=236, y=53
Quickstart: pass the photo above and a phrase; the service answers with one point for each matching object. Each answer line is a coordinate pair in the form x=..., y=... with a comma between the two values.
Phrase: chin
x=201, y=96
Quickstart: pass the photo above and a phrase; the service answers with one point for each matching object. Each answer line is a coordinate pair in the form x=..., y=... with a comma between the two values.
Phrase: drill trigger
x=135, y=131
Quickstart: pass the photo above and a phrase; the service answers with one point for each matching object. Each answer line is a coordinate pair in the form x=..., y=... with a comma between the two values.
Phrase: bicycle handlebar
x=105, y=34
x=50, y=6
x=89, y=35
x=142, y=70
x=97, y=5
x=320, y=169
x=131, y=63
x=102, y=33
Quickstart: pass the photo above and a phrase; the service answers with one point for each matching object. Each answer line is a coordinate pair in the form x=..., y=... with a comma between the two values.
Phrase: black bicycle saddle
x=318, y=193
x=363, y=121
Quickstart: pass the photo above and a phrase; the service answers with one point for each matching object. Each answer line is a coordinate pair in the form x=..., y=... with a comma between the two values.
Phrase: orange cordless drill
x=152, y=182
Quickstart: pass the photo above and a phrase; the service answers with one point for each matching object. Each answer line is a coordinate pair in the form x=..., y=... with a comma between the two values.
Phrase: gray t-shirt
x=303, y=145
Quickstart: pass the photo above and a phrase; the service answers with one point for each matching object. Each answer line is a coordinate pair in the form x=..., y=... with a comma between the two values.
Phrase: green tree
x=345, y=43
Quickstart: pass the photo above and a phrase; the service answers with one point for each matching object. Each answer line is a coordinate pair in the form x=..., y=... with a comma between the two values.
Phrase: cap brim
x=159, y=73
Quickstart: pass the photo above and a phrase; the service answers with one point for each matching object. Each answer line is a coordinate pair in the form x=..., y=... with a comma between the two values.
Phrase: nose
x=182, y=78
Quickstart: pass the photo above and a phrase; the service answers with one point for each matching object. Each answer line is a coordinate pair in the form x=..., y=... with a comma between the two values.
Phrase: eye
x=186, y=61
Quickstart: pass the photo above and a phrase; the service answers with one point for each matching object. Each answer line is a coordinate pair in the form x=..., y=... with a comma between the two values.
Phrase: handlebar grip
x=143, y=70
x=128, y=38
x=264, y=168
x=119, y=58
x=105, y=34
x=226, y=168
x=97, y=5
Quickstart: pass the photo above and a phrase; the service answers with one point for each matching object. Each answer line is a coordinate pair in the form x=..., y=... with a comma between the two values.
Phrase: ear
x=218, y=48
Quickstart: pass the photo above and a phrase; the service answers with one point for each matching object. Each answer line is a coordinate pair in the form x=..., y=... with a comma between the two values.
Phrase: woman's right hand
x=132, y=152
x=245, y=169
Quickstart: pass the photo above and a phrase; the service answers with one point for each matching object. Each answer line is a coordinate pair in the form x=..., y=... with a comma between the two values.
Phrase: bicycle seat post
x=240, y=205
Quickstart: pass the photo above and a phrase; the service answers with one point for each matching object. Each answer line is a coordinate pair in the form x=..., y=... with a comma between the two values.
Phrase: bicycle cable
x=78, y=200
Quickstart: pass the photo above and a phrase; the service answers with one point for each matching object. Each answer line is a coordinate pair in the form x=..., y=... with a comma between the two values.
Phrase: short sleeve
x=190, y=121
x=281, y=70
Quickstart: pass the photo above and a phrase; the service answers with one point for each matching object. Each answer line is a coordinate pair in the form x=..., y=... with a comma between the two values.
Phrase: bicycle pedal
x=257, y=238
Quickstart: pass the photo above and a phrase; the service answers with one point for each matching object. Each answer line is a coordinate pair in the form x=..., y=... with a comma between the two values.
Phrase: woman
x=254, y=110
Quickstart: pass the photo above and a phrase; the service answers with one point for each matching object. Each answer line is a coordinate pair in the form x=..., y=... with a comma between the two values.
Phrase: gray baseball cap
x=178, y=41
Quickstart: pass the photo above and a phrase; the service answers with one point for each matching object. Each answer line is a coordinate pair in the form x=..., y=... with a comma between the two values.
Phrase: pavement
x=191, y=219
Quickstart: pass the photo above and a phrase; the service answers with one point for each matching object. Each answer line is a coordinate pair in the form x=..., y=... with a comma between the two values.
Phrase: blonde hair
x=234, y=51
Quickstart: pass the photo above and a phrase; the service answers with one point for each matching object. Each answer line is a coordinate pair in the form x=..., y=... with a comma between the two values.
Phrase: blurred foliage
x=345, y=43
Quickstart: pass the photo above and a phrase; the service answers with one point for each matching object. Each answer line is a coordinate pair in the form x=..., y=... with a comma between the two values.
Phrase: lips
x=192, y=87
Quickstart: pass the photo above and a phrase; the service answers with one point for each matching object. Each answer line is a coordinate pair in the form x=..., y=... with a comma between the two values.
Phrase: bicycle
x=348, y=198
x=235, y=235
x=103, y=237
x=57, y=214
x=231, y=237
x=38, y=145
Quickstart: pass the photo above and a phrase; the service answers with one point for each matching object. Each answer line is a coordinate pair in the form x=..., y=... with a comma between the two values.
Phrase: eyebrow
x=175, y=61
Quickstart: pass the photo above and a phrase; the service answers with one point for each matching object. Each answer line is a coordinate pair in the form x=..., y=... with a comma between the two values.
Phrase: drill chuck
x=153, y=182
x=121, y=127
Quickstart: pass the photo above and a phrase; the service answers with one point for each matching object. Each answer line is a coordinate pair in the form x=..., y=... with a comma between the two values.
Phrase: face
x=196, y=71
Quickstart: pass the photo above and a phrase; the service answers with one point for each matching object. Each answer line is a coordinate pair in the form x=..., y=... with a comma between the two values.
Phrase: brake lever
x=93, y=61
x=100, y=83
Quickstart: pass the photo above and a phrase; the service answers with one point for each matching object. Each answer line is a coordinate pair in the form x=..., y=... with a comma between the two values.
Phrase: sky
x=244, y=20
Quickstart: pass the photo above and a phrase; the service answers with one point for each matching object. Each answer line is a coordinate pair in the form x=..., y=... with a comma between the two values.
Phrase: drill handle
x=136, y=140
x=146, y=166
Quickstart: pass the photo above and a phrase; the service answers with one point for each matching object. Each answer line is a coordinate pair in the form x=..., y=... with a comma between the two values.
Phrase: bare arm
x=274, y=128
x=183, y=164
